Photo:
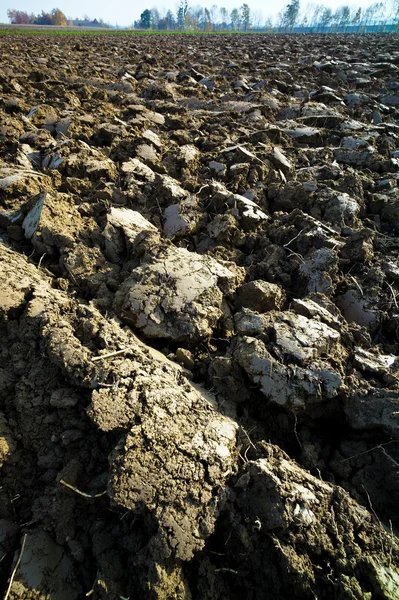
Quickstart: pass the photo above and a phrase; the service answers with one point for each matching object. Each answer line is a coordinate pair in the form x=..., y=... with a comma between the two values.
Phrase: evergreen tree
x=145, y=19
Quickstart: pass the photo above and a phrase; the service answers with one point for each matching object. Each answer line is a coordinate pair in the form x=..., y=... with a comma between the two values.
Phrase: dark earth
x=199, y=319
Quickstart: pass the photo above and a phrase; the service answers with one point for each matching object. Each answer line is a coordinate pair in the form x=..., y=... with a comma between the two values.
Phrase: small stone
x=186, y=358
x=248, y=323
x=218, y=168
x=260, y=296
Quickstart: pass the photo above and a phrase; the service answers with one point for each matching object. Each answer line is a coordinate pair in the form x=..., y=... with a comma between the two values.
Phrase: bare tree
x=257, y=18
x=213, y=14
x=268, y=24
x=208, y=22
x=224, y=17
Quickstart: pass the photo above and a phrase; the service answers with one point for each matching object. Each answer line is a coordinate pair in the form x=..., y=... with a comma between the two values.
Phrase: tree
x=268, y=24
x=44, y=19
x=342, y=16
x=317, y=12
x=290, y=15
x=326, y=17
x=58, y=17
x=170, y=20
x=345, y=16
x=155, y=18
x=235, y=19
x=196, y=17
x=145, y=19
x=213, y=11
x=17, y=17
x=374, y=12
x=224, y=15
x=182, y=14
x=245, y=16
x=395, y=12
x=257, y=18
x=357, y=16
x=208, y=20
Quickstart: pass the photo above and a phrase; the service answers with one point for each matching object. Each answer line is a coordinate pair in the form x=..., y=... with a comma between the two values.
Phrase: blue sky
x=124, y=12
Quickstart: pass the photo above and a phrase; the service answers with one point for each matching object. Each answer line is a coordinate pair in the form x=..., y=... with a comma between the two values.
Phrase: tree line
x=243, y=18
x=54, y=17
x=214, y=18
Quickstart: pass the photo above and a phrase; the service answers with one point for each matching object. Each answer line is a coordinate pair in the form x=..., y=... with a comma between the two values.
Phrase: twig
x=245, y=454
x=71, y=487
x=295, y=254
x=296, y=431
x=357, y=284
x=110, y=354
x=379, y=447
x=373, y=511
x=293, y=239
x=393, y=294
x=378, y=521
x=292, y=251
x=248, y=438
x=242, y=458
x=159, y=208
x=321, y=224
x=16, y=567
x=389, y=457
x=40, y=261
x=392, y=537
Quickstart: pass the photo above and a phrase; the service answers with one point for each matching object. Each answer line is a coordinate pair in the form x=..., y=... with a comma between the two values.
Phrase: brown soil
x=199, y=267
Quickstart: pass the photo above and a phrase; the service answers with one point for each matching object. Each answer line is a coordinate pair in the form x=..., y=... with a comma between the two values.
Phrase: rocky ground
x=199, y=268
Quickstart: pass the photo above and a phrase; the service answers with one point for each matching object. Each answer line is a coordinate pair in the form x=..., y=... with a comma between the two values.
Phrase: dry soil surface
x=199, y=319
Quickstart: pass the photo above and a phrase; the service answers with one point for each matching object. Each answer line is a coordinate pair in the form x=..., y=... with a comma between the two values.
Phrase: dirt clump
x=199, y=317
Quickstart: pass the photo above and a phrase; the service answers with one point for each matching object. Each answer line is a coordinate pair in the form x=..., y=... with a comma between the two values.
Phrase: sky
x=125, y=12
